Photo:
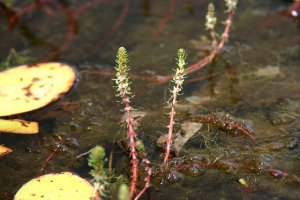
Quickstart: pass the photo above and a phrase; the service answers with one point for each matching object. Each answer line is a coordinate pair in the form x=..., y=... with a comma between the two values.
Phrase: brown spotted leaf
x=26, y=88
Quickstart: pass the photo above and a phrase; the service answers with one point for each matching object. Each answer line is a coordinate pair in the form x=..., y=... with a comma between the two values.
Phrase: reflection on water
x=255, y=80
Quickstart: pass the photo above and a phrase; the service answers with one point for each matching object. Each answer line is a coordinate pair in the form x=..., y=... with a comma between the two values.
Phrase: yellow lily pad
x=4, y=150
x=26, y=88
x=18, y=126
x=62, y=186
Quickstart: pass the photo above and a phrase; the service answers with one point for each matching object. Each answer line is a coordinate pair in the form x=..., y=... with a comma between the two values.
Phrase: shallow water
x=254, y=81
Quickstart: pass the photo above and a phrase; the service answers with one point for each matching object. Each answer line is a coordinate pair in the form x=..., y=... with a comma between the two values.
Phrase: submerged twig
x=53, y=152
x=171, y=8
x=118, y=22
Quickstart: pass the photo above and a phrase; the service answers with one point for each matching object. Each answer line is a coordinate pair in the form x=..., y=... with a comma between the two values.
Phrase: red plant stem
x=72, y=17
x=112, y=31
x=171, y=124
x=82, y=8
x=171, y=8
x=227, y=122
x=194, y=67
x=71, y=29
x=43, y=4
x=209, y=58
x=131, y=135
x=203, y=62
x=70, y=14
x=53, y=152
x=31, y=6
x=49, y=11
x=147, y=179
x=10, y=15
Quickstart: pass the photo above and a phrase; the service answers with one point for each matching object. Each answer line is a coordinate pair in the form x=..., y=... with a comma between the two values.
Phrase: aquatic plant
x=123, y=193
x=124, y=92
x=218, y=43
x=167, y=15
x=178, y=80
x=96, y=160
x=141, y=150
x=136, y=146
x=225, y=121
x=210, y=22
x=16, y=58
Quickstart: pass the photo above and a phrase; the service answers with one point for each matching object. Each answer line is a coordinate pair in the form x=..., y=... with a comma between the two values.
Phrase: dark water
x=255, y=80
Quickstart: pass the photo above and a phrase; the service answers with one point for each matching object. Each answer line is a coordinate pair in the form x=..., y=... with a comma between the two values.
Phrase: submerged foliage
x=123, y=193
x=96, y=160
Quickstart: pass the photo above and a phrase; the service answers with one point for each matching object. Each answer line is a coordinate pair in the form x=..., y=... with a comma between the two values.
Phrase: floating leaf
x=26, y=88
x=4, y=150
x=18, y=126
x=62, y=186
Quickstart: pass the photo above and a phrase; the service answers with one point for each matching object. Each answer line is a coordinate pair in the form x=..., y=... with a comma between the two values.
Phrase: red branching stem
x=147, y=178
x=227, y=122
x=133, y=153
x=53, y=152
x=171, y=124
x=171, y=8
x=71, y=17
x=243, y=130
x=182, y=167
x=13, y=16
x=49, y=11
x=225, y=34
x=113, y=30
x=31, y=7
x=9, y=13
x=203, y=62
x=87, y=5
